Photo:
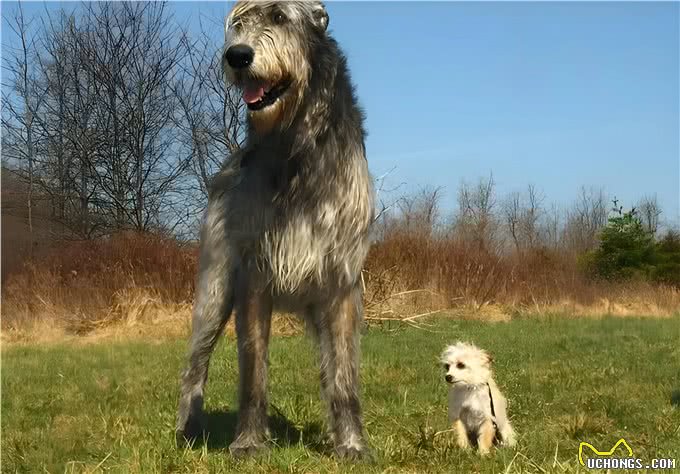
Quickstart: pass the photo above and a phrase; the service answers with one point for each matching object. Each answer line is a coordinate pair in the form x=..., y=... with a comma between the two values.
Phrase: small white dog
x=477, y=409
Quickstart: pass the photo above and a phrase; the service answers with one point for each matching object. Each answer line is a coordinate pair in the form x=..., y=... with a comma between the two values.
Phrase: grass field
x=110, y=406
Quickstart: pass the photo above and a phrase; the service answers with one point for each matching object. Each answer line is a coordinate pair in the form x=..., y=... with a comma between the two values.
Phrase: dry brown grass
x=142, y=285
x=84, y=285
x=410, y=275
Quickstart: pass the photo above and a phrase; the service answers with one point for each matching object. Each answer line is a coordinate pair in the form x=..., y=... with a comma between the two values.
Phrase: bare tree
x=407, y=205
x=107, y=149
x=649, y=212
x=476, y=220
x=92, y=119
x=585, y=219
x=65, y=123
x=22, y=99
x=132, y=58
x=418, y=213
x=429, y=207
x=522, y=213
x=551, y=227
x=512, y=212
x=210, y=120
x=384, y=220
x=532, y=215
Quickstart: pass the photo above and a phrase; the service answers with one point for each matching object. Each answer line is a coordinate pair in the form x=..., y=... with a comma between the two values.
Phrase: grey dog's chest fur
x=313, y=220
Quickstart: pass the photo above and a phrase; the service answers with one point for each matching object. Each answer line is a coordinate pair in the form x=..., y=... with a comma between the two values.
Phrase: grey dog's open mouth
x=258, y=95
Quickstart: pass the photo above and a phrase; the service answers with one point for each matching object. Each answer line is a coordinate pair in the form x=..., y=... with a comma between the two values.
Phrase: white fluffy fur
x=471, y=389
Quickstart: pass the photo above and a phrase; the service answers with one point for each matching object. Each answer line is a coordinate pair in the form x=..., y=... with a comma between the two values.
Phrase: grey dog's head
x=267, y=54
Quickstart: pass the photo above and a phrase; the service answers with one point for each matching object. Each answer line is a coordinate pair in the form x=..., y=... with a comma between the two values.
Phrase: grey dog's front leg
x=212, y=308
x=338, y=330
x=253, y=321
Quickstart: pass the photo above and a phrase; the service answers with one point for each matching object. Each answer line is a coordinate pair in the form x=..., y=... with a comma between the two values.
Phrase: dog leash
x=493, y=411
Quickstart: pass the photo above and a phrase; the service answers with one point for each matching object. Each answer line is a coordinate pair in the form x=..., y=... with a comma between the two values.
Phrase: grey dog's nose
x=449, y=378
x=239, y=56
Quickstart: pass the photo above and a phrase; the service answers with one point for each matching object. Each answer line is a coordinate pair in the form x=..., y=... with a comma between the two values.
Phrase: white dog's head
x=466, y=363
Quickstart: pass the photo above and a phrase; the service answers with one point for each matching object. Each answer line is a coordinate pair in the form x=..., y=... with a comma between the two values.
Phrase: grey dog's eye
x=279, y=18
x=460, y=365
x=446, y=366
x=235, y=24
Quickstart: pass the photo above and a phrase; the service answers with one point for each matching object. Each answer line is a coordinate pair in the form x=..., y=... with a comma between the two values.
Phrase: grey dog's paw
x=189, y=431
x=246, y=448
x=354, y=453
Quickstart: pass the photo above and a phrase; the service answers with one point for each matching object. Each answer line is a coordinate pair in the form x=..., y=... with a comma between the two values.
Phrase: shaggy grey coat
x=286, y=225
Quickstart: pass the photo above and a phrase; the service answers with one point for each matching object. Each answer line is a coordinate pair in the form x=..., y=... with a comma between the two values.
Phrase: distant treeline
x=114, y=117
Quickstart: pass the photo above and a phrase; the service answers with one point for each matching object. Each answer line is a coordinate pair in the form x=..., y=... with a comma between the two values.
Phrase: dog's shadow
x=220, y=426
x=675, y=398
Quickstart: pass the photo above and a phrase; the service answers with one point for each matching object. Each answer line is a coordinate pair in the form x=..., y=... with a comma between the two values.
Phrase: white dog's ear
x=444, y=357
x=489, y=358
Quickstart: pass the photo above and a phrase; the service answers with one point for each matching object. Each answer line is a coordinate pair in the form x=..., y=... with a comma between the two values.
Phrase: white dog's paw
x=509, y=438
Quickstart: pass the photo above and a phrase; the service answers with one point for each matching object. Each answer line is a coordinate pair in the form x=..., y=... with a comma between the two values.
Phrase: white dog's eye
x=446, y=366
x=460, y=365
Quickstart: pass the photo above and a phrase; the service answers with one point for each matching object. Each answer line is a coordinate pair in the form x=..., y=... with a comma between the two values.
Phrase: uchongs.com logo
x=607, y=460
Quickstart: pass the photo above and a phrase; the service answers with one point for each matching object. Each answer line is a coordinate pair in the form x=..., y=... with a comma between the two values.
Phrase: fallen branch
x=405, y=319
x=423, y=290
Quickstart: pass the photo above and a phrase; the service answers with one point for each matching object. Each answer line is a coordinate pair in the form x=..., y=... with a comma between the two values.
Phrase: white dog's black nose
x=239, y=56
x=449, y=378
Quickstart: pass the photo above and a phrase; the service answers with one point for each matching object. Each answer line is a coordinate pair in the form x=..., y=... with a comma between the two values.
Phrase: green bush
x=667, y=267
x=626, y=250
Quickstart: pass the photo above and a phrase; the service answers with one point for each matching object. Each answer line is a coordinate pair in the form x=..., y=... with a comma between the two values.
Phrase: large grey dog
x=287, y=221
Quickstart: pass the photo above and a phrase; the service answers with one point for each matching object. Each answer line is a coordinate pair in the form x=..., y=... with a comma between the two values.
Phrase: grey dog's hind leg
x=212, y=308
x=338, y=332
x=253, y=321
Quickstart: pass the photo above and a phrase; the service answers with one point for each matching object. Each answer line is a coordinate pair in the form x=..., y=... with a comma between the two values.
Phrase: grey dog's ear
x=320, y=16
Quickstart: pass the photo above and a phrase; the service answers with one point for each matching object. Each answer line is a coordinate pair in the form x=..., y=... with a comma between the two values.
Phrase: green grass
x=111, y=406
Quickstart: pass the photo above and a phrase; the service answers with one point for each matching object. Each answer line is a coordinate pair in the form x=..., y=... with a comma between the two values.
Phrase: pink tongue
x=252, y=94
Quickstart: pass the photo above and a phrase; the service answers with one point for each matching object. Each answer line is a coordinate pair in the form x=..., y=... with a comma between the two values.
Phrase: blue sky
x=558, y=94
